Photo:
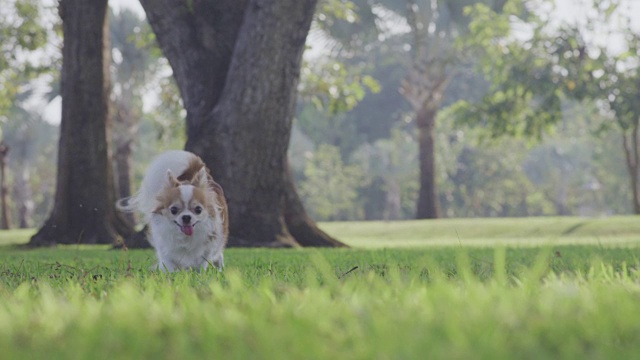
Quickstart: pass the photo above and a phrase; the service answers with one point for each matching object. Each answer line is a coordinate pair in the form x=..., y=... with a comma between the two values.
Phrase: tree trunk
x=631, y=152
x=22, y=192
x=260, y=95
x=427, y=206
x=84, y=206
x=23, y=197
x=237, y=66
x=122, y=164
x=125, y=126
x=4, y=190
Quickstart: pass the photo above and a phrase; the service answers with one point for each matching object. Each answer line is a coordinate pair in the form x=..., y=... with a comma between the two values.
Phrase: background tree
x=533, y=78
x=23, y=33
x=430, y=62
x=5, y=216
x=331, y=186
x=618, y=89
x=391, y=164
x=84, y=208
x=135, y=65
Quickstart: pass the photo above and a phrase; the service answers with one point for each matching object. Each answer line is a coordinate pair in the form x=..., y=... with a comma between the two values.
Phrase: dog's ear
x=171, y=180
x=201, y=179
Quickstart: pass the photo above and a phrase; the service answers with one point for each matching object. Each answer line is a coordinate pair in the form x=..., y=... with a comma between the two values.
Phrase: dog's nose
x=186, y=219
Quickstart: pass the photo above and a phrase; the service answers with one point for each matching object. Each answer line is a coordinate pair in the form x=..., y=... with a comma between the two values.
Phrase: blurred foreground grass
x=544, y=300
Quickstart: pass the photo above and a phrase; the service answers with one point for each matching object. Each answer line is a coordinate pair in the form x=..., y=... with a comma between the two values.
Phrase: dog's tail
x=129, y=204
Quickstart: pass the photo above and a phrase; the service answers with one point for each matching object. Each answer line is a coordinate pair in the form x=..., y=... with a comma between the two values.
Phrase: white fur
x=154, y=181
x=174, y=249
x=186, y=192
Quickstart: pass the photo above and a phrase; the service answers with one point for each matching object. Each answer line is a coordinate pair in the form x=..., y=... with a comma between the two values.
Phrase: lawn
x=454, y=289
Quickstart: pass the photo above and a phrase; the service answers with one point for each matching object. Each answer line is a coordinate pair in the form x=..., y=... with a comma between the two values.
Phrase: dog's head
x=186, y=203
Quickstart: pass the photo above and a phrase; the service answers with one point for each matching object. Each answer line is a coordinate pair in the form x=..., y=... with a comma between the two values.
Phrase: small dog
x=187, y=214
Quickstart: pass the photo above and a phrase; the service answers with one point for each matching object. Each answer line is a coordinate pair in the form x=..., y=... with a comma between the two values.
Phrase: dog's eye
x=174, y=210
x=198, y=210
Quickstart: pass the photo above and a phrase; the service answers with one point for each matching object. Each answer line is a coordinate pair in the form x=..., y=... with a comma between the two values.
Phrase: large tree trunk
x=237, y=66
x=84, y=208
x=255, y=115
x=427, y=206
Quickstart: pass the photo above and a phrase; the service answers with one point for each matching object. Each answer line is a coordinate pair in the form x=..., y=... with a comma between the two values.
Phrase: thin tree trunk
x=122, y=164
x=23, y=197
x=122, y=160
x=427, y=206
x=22, y=192
x=84, y=206
x=4, y=190
x=125, y=128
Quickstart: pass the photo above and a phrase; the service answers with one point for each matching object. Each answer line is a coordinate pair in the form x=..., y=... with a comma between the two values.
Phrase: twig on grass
x=345, y=274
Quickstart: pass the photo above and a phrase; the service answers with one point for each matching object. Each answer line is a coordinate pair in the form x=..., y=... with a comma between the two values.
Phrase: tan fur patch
x=195, y=164
x=200, y=196
x=166, y=198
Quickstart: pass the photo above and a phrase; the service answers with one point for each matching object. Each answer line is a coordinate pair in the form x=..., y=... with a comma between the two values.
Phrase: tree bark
x=84, y=206
x=255, y=112
x=428, y=205
x=237, y=66
x=198, y=38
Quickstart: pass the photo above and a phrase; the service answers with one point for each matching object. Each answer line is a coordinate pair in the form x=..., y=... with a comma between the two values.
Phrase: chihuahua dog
x=185, y=210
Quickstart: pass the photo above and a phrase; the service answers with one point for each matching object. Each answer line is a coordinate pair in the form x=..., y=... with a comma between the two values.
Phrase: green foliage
x=21, y=31
x=616, y=79
x=138, y=70
x=526, y=93
x=26, y=49
x=390, y=164
x=334, y=87
x=330, y=187
x=533, y=78
x=573, y=170
x=331, y=11
x=29, y=51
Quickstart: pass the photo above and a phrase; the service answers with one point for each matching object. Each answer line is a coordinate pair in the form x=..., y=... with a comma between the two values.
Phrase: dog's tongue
x=187, y=230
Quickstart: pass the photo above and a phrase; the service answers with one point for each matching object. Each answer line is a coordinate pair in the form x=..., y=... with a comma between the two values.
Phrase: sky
x=568, y=10
x=133, y=5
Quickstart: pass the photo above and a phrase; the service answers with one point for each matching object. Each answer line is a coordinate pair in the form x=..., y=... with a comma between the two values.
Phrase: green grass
x=14, y=237
x=619, y=230
x=389, y=299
